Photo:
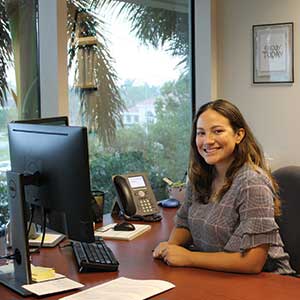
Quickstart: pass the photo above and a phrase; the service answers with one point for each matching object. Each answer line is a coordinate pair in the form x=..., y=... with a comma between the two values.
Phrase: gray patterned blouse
x=242, y=219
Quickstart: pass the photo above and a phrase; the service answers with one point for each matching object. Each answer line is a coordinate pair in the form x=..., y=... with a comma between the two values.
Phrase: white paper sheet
x=123, y=288
x=52, y=286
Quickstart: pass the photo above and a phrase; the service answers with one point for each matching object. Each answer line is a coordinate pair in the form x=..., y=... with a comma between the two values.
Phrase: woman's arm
x=250, y=261
x=178, y=236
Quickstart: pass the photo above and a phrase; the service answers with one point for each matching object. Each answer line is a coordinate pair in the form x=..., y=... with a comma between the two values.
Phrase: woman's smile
x=210, y=150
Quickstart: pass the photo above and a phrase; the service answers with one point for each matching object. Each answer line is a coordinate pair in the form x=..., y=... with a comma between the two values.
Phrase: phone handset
x=125, y=196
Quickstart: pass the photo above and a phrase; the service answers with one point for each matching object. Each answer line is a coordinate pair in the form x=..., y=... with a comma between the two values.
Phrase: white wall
x=53, y=58
x=273, y=112
x=203, y=52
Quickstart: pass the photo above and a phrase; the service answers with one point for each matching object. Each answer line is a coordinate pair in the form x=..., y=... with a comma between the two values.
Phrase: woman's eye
x=218, y=131
x=200, y=133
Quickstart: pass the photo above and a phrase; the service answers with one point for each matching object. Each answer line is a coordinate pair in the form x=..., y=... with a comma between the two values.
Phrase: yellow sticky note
x=42, y=273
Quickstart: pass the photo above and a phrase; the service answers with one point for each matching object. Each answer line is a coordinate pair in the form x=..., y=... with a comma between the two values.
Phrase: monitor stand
x=21, y=272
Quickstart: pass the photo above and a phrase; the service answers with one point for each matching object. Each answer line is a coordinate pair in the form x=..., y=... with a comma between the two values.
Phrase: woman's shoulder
x=249, y=174
x=256, y=183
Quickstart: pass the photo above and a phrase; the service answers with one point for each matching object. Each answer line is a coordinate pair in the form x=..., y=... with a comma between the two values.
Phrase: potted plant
x=176, y=189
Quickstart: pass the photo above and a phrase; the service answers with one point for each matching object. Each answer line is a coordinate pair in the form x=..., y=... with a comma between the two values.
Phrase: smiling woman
x=228, y=213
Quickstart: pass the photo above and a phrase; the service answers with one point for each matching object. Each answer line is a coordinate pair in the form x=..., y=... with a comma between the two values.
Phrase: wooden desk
x=136, y=262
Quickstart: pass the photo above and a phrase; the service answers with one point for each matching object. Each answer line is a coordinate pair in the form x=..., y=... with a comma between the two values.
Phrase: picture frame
x=273, y=53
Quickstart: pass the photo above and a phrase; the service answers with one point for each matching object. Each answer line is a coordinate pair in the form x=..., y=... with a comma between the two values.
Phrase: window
x=128, y=119
x=133, y=84
x=132, y=80
x=150, y=117
x=19, y=91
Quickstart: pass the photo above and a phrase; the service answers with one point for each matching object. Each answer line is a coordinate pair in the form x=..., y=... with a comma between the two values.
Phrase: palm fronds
x=155, y=26
x=5, y=52
x=101, y=107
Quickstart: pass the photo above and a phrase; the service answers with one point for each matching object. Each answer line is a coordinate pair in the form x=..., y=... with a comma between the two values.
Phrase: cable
x=17, y=256
x=37, y=250
x=9, y=256
x=68, y=244
x=32, y=208
x=32, y=211
x=105, y=229
x=43, y=228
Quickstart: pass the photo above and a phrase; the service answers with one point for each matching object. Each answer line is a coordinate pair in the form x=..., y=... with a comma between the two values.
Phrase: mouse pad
x=108, y=232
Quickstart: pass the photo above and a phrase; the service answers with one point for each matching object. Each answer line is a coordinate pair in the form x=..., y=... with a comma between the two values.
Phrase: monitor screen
x=60, y=156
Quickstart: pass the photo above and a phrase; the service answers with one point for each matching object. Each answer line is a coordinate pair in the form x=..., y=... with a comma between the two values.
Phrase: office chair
x=288, y=179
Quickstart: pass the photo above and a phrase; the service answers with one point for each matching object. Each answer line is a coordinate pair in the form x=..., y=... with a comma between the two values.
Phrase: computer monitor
x=60, y=156
x=50, y=170
x=56, y=120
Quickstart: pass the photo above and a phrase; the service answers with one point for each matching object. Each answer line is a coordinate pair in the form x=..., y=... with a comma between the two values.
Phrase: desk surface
x=136, y=262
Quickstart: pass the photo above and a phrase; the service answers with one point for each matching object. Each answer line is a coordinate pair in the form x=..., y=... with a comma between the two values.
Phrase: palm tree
x=101, y=105
x=152, y=26
x=155, y=26
x=5, y=52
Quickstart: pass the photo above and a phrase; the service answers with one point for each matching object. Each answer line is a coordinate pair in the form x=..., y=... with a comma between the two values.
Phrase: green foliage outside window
x=104, y=166
x=160, y=149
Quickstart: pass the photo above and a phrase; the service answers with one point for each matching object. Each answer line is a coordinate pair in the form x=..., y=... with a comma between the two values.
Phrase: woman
x=228, y=213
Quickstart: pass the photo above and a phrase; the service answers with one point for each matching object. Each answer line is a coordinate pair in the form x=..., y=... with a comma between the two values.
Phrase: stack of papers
x=41, y=273
x=108, y=232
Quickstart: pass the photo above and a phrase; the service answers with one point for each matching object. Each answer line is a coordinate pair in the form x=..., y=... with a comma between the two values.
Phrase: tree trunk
x=22, y=17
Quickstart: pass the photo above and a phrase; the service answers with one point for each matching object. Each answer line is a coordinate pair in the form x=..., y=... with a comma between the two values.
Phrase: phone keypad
x=146, y=205
x=143, y=198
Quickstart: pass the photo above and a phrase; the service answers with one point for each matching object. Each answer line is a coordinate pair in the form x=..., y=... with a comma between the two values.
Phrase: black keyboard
x=95, y=256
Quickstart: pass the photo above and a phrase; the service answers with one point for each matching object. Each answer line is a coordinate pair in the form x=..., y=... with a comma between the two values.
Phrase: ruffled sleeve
x=181, y=218
x=257, y=225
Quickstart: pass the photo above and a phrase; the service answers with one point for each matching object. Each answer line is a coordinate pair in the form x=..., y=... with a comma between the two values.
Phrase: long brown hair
x=201, y=174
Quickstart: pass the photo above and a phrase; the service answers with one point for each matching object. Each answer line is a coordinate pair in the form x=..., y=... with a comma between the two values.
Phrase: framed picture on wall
x=273, y=53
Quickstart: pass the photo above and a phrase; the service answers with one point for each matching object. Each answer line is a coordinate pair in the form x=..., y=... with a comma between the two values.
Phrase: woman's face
x=216, y=139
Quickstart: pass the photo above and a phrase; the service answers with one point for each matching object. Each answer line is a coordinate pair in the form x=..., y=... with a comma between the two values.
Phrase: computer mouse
x=169, y=203
x=124, y=226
